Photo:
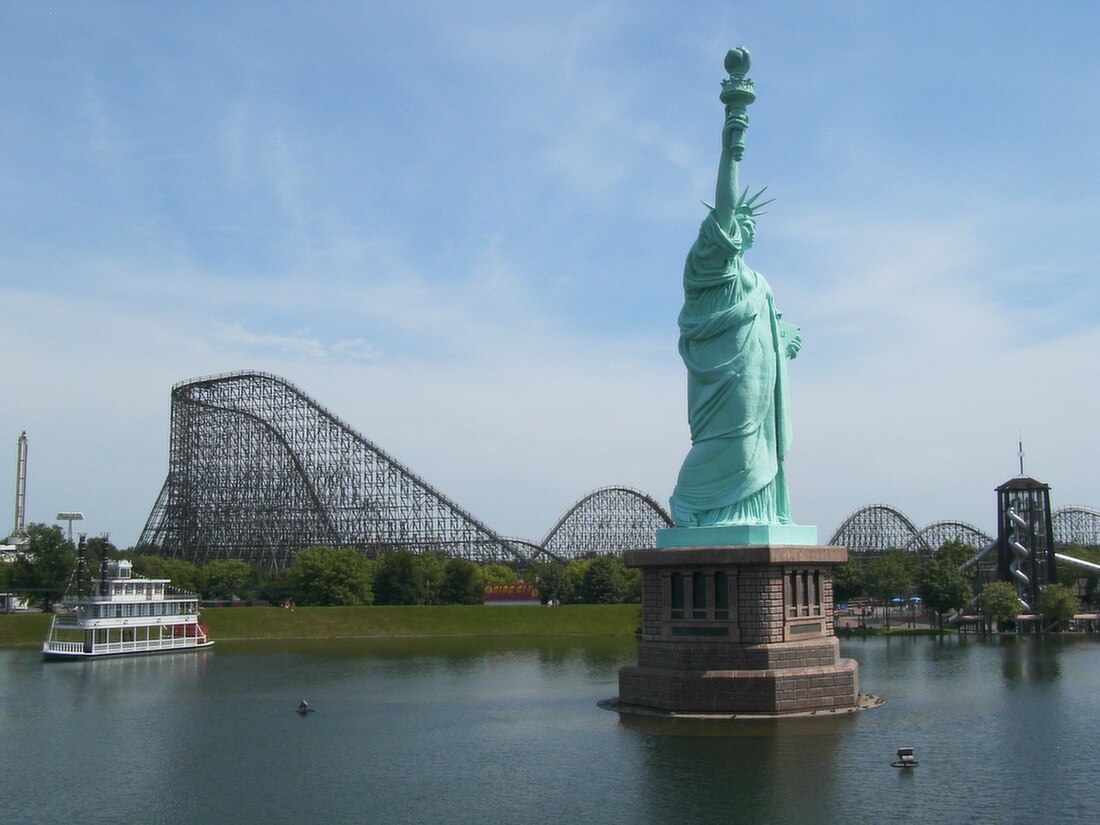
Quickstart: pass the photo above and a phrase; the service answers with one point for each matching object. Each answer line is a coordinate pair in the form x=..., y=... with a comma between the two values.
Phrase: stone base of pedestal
x=641, y=712
x=738, y=630
x=771, y=691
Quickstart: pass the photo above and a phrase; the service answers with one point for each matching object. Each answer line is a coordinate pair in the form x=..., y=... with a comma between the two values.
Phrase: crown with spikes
x=748, y=206
x=745, y=205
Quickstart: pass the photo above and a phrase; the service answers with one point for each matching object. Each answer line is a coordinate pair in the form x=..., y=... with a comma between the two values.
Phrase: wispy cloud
x=235, y=336
x=356, y=349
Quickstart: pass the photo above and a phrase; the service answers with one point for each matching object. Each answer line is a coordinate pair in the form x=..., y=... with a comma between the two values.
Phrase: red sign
x=518, y=593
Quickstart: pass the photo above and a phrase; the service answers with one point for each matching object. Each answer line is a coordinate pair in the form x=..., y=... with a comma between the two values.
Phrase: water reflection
x=1029, y=661
x=723, y=777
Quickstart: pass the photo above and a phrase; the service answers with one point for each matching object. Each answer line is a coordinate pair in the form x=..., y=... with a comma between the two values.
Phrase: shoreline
x=257, y=624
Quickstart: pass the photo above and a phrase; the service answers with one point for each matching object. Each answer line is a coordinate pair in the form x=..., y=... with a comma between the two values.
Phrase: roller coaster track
x=876, y=527
x=1076, y=525
x=258, y=470
x=608, y=520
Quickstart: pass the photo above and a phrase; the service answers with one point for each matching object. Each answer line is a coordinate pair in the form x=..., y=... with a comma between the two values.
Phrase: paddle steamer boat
x=120, y=614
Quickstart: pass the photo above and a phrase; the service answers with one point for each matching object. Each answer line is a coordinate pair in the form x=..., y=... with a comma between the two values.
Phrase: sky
x=461, y=227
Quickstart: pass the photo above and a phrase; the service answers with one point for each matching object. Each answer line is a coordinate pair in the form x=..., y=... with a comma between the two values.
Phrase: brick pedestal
x=738, y=630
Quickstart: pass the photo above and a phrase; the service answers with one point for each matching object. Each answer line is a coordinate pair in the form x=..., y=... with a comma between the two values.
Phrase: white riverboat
x=119, y=614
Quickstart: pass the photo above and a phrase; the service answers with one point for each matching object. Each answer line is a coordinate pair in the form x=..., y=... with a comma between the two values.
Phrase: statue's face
x=748, y=231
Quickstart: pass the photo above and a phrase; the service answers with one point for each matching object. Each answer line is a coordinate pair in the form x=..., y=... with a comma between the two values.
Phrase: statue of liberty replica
x=735, y=348
x=737, y=600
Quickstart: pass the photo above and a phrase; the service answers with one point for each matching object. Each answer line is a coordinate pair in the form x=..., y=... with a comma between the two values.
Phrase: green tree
x=184, y=575
x=604, y=581
x=955, y=552
x=398, y=579
x=48, y=566
x=431, y=568
x=554, y=581
x=999, y=602
x=498, y=574
x=329, y=576
x=1058, y=603
x=848, y=581
x=462, y=583
x=632, y=582
x=888, y=577
x=577, y=570
x=942, y=586
x=96, y=548
x=275, y=587
x=227, y=578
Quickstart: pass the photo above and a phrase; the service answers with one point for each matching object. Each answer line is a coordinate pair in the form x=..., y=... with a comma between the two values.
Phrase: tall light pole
x=19, y=535
x=70, y=517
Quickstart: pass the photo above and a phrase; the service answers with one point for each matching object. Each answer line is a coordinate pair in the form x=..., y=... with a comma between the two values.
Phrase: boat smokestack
x=103, y=574
x=81, y=549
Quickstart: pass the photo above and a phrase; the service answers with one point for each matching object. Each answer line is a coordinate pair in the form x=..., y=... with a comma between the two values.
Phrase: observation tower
x=19, y=539
x=1025, y=537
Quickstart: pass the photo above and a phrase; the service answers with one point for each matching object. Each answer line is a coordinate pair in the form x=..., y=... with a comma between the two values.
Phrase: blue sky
x=461, y=227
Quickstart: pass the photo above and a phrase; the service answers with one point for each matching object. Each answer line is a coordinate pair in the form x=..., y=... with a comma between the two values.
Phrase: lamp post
x=70, y=517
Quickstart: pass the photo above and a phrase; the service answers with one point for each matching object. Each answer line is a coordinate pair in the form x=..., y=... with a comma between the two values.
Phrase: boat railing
x=134, y=646
x=70, y=621
x=129, y=598
x=64, y=647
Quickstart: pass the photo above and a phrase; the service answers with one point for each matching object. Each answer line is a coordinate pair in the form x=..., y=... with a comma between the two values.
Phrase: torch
x=737, y=93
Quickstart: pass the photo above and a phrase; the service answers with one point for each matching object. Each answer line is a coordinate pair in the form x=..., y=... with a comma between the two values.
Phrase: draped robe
x=738, y=412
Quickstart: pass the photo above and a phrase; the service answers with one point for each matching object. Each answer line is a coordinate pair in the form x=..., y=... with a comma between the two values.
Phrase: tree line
x=936, y=579
x=325, y=576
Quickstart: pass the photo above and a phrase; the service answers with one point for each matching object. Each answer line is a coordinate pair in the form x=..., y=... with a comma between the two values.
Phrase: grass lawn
x=24, y=629
x=382, y=622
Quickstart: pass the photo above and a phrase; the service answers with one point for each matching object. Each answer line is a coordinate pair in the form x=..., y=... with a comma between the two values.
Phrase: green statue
x=736, y=349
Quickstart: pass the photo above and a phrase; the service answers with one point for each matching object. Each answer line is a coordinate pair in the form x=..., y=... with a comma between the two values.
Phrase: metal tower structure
x=18, y=535
x=258, y=471
x=1025, y=538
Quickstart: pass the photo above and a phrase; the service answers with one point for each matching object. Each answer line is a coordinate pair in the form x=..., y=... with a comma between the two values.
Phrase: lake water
x=484, y=730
